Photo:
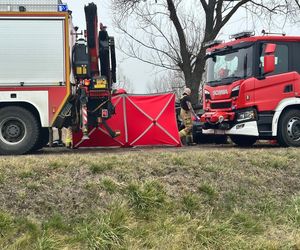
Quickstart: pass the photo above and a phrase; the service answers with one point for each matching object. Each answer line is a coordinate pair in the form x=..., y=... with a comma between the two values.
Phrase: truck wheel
x=289, y=128
x=19, y=130
x=43, y=139
x=243, y=140
x=220, y=139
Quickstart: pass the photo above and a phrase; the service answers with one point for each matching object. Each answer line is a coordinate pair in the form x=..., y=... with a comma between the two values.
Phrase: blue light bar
x=213, y=43
x=63, y=8
x=242, y=35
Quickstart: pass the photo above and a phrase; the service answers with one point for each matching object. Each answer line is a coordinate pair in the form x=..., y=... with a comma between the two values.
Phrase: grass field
x=224, y=198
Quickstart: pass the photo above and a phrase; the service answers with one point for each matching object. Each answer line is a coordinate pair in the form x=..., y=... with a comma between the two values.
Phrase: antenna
x=272, y=33
x=243, y=34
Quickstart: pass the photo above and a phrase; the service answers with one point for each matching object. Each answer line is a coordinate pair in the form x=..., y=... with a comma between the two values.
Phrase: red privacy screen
x=143, y=120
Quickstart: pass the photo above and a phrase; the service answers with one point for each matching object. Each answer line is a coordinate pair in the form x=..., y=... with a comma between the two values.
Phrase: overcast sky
x=139, y=73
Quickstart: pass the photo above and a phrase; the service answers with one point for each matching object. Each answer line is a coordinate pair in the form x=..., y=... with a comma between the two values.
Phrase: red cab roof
x=254, y=39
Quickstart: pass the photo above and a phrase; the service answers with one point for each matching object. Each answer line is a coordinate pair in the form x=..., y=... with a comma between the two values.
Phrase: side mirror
x=269, y=58
x=269, y=64
x=270, y=48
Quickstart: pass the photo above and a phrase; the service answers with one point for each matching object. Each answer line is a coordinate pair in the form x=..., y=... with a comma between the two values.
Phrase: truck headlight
x=207, y=95
x=235, y=91
x=246, y=115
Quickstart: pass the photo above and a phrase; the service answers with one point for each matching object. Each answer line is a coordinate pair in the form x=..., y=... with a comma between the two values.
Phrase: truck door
x=271, y=88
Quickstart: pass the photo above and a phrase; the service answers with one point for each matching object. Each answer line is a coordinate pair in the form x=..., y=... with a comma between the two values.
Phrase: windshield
x=223, y=68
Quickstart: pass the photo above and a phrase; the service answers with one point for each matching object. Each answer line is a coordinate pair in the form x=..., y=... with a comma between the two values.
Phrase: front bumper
x=217, y=117
x=246, y=128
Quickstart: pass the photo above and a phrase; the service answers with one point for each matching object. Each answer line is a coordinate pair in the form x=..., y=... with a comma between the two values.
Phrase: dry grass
x=152, y=199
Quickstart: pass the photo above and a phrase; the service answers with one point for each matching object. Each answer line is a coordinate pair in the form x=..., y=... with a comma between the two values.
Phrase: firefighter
x=69, y=137
x=57, y=133
x=186, y=113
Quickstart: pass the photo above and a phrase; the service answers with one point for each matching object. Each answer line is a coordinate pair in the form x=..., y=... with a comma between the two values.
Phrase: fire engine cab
x=252, y=89
x=50, y=74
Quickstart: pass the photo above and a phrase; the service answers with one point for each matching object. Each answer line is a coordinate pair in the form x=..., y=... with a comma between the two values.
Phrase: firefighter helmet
x=187, y=91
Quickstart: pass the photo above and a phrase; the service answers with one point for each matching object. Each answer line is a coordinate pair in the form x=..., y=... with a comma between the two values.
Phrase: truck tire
x=289, y=129
x=19, y=130
x=243, y=140
x=43, y=139
x=220, y=139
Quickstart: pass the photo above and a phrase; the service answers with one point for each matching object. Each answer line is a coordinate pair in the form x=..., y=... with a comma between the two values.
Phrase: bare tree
x=169, y=82
x=123, y=82
x=172, y=33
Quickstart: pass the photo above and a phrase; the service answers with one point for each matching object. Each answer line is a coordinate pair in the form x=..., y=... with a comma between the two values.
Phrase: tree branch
x=148, y=46
x=181, y=36
x=230, y=14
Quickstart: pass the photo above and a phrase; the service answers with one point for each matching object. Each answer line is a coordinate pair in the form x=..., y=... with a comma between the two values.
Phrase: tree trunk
x=194, y=83
x=193, y=78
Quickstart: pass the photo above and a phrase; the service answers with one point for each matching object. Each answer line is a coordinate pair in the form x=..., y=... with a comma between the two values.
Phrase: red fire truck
x=252, y=89
x=50, y=75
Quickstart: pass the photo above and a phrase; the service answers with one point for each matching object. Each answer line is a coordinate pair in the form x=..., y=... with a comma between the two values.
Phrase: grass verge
x=230, y=199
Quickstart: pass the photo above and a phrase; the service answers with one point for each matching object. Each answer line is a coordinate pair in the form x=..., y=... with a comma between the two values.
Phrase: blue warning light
x=63, y=8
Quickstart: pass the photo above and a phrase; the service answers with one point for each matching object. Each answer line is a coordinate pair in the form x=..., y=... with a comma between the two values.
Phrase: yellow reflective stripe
x=68, y=67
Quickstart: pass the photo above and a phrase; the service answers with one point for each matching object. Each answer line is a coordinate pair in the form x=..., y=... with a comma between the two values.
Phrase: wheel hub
x=293, y=129
x=12, y=130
